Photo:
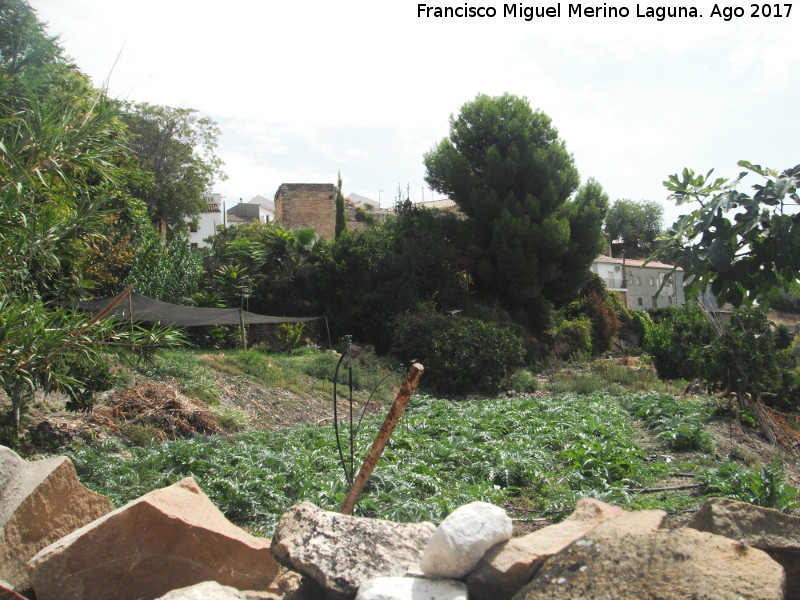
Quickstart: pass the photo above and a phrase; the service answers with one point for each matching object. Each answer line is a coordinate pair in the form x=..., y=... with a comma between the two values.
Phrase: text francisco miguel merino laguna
x=528, y=13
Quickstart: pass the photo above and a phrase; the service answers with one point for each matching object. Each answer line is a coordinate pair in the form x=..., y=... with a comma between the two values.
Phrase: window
x=652, y=282
x=638, y=281
x=641, y=302
x=655, y=301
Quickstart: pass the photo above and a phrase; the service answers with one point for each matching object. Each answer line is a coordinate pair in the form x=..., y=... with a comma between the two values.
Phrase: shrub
x=289, y=335
x=461, y=355
x=524, y=382
x=572, y=338
x=601, y=307
x=676, y=344
x=745, y=358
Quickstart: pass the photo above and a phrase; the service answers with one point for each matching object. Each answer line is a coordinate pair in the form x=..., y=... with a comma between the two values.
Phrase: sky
x=307, y=89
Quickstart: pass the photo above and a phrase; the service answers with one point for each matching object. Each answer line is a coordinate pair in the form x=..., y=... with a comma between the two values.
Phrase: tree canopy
x=175, y=149
x=59, y=155
x=744, y=247
x=637, y=224
x=533, y=233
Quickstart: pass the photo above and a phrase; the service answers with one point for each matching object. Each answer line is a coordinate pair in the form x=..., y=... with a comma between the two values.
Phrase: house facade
x=642, y=286
x=208, y=220
x=258, y=209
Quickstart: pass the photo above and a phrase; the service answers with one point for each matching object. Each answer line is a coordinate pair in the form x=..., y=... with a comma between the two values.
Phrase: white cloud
x=303, y=90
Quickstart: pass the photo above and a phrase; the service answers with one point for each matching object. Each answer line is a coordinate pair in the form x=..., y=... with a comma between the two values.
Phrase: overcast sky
x=302, y=90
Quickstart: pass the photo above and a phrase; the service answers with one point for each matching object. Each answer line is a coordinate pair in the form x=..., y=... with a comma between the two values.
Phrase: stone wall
x=307, y=205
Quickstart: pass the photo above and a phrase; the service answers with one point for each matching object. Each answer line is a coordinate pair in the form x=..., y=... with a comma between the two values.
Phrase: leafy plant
x=680, y=423
x=742, y=247
x=289, y=334
x=461, y=355
x=572, y=338
x=677, y=344
x=765, y=487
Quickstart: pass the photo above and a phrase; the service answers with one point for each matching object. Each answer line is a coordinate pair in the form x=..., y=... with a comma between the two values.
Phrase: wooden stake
x=398, y=406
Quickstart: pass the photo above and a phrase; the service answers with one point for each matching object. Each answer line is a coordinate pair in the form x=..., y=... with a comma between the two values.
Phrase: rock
x=462, y=539
x=656, y=565
x=508, y=566
x=211, y=590
x=411, y=588
x=207, y=590
x=7, y=592
x=340, y=552
x=167, y=539
x=40, y=502
x=769, y=530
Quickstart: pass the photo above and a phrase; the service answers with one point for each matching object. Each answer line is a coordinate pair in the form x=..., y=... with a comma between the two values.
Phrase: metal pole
x=399, y=405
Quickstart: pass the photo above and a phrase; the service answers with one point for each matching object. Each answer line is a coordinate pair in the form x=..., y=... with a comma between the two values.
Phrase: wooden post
x=241, y=325
x=398, y=406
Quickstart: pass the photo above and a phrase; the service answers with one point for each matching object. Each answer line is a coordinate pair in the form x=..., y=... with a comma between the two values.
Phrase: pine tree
x=531, y=243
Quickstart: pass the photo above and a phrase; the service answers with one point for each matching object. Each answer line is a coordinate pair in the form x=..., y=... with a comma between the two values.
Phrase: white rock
x=207, y=590
x=462, y=539
x=411, y=588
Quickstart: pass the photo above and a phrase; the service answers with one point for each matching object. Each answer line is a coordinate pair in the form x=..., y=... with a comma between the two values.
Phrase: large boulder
x=340, y=552
x=508, y=566
x=769, y=530
x=463, y=538
x=40, y=502
x=619, y=560
x=170, y=538
x=412, y=588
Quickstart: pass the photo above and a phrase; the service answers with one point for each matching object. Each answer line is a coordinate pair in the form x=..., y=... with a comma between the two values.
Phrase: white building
x=208, y=220
x=640, y=284
x=258, y=209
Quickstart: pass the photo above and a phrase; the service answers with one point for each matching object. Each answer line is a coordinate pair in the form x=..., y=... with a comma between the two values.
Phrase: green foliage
x=740, y=357
x=341, y=218
x=524, y=381
x=176, y=148
x=289, y=335
x=168, y=273
x=600, y=306
x=368, y=278
x=60, y=145
x=745, y=358
x=637, y=224
x=679, y=423
x=765, y=487
x=264, y=267
x=572, y=338
x=442, y=455
x=461, y=355
x=629, y=377
x=194, y=377
x=740, y=246
x=529, y=242
x=678, y=343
